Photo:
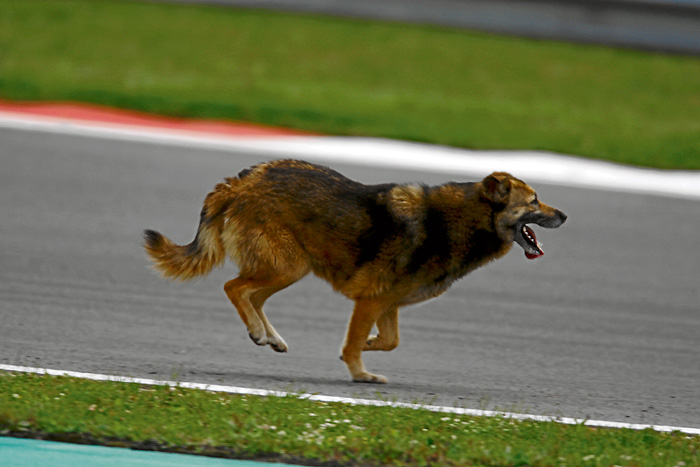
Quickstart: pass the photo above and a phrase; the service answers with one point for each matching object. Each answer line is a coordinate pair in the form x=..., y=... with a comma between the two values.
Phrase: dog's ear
x=497, y=187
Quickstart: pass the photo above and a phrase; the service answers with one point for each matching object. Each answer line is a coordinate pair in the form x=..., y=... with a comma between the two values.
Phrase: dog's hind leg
x=388, y=336
x=239, y=291
x=365, y=314
x=258, y=300
x=248, y=295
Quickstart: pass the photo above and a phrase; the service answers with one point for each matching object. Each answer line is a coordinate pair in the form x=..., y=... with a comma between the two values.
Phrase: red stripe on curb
x=103, y=114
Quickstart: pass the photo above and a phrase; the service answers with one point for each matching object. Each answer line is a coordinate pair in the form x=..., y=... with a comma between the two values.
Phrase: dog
x=384, y=246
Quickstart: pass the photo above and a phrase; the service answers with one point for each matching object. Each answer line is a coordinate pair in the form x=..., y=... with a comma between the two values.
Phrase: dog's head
x=515, y=206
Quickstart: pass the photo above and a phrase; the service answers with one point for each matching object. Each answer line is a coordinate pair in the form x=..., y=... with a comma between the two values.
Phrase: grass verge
x=353, y=77
x=292, y=429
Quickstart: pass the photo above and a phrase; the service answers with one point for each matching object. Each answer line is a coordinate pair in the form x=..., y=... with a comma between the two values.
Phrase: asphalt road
x=660, y=25
x=605, y=326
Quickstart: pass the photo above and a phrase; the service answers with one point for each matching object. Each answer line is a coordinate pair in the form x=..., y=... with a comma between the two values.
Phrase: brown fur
x=383, y=246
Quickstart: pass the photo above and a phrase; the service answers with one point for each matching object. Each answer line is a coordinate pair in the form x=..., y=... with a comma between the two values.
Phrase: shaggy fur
x=383, y=246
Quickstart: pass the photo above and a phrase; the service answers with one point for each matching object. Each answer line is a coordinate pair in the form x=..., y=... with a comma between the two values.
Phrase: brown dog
x=383, y=246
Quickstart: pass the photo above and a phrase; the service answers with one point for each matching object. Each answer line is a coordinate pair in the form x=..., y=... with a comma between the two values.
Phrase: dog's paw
x=278, y=344
x=377, y=343
x=367, y=377
x=258, y=340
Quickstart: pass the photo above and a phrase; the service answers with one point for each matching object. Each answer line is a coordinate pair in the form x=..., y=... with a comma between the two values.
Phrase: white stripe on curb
x=348, y=400
x=530, y=165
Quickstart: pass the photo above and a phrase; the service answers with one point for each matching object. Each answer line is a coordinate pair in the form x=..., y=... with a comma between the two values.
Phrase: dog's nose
x=562, y=216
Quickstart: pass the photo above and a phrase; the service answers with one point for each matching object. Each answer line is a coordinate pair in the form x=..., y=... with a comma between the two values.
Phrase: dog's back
x=282, y=217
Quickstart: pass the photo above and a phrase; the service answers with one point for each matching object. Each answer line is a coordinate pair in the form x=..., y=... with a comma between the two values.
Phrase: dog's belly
x=425, y=292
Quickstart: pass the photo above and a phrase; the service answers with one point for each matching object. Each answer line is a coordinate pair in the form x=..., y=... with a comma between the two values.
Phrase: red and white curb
x=348, y=400
x=533, y=166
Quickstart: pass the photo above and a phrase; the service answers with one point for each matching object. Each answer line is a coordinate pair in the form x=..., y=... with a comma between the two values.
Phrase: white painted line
x=348, y=400
x=531, y=166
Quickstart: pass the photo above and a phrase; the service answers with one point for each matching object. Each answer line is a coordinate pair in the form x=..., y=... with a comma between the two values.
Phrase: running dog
x=384, y=246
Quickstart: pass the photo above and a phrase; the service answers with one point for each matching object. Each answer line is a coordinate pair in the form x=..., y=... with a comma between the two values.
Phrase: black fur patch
x=203, y=218
x=193, y=247
x=244, y=173
x=436, y=244
x=351, y=196
x=208, y=218
x=482, y=244
x=327, y=178
x=152, y=238
x=383, y=225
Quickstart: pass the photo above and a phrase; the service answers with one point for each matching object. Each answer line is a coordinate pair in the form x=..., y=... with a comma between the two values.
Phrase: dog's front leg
x=365, y=314
x=388, y=336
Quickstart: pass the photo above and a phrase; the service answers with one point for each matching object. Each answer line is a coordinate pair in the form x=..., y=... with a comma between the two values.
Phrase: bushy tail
x=185, y=262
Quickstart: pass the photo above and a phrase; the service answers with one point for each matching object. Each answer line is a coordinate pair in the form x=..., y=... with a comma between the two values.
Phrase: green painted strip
x=16, y=452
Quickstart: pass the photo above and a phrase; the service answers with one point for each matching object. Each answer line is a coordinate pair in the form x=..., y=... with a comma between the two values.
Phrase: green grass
x=291, y=428
x=352, y=77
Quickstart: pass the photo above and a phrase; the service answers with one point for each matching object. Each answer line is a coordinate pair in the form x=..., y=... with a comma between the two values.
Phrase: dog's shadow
x=414, y=393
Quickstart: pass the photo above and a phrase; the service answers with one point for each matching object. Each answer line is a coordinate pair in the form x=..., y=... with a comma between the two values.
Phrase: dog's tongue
x=531, y=233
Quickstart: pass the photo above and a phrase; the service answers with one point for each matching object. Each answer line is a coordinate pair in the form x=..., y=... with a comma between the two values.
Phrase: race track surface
x=605, y=326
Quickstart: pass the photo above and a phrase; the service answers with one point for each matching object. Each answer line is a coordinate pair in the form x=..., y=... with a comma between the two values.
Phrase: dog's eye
x=535, y=201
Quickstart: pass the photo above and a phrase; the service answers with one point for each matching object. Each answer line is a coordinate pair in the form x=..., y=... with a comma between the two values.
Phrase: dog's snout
x=562, y=217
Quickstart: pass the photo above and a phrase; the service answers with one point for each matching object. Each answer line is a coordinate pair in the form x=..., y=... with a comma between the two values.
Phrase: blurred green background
x=355, y=77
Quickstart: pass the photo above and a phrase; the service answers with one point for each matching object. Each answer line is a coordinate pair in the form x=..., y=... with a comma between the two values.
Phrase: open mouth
x=525, y=237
